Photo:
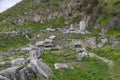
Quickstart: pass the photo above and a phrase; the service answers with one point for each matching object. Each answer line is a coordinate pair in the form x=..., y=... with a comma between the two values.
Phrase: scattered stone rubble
x=20, y=70
x=25, y=33
x=80, y=29
x=24, y=69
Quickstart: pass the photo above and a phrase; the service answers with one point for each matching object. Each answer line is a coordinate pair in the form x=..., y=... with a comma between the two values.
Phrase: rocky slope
x=57, y=39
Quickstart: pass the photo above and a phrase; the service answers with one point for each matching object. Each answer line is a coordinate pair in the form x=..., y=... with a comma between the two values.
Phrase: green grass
x=88, y=69
x=114, y=33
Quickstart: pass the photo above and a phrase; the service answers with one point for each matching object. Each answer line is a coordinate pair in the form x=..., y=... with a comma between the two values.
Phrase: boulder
x=36, y=18
x=40, y=68
x=25, y=73
x=3, y=78
x=63, y=66
x=78, y=43
x=9, y=73
x=18, y=73
x=92, y=42
x=40, y=44
x=113, y=41
x=25, y=49
x=52, y=37
x=48, y=43
x=2, y=64
x=18, y=62
x=36, y=53
x=83, y=53
x=102, y=42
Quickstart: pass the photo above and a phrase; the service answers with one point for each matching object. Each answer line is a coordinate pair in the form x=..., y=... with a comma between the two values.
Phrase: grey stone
x=57, y=48
x=40, y=43
x=18, y=62
x=92, y=42
x=25, y=49
x=36, y=18
x=40, y=68
x=52, y=37
x=48, y=43
x=82, y=25
x=113, y=41
x=83, y=53
x=102, y=42
x=3, y=78
x=18, y=73
x=63, y=66
x=9, y=73
x=36, y=53
x=78, y=44
x=25, y=74
x=50, y=30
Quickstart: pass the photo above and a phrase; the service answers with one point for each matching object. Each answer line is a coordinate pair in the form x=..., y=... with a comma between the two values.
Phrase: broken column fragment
x=40, y=68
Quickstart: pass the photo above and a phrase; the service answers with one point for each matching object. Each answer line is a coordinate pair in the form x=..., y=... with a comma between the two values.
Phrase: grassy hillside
x=105, y=13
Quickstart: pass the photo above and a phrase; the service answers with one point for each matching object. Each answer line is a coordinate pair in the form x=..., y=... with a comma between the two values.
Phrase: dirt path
x=110, y=63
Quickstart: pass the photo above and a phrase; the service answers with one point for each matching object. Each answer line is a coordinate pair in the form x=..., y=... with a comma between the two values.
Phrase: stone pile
x=25, y=69
x=48, y=44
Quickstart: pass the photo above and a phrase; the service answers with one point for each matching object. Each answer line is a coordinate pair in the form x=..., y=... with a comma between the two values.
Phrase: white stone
x=81, y=55
x=52, y=37
x=82, y=25
x=62, y=66
x=40, y=43
x=50, y=30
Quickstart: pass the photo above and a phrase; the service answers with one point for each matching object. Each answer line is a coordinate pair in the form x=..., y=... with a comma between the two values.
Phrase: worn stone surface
x=12, y=52
x=92, y=42
x=40, y=68
x=83, y=53
x=82, y=25
x=50, y=30
x=18, y=62
x=102, y=42
x=18, y=73
x=25, y=73
x=25, y=49
x=36, y=53
x=78, y=43
x=113, y=41
x=3, y=78
x=63, y=66
x=48, y=43
x=36, y=18
x=52, y=37
x=9, y=73
x=40, y=43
